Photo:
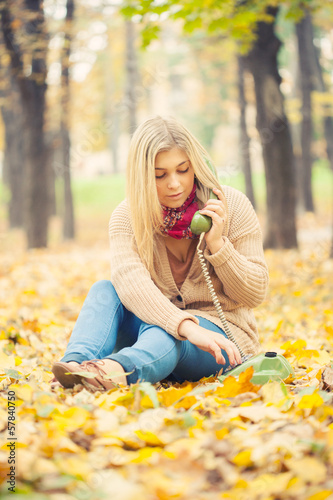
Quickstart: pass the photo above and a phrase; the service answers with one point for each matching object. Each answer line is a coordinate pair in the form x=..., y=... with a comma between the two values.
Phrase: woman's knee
x=155, y=335
x=103, y=292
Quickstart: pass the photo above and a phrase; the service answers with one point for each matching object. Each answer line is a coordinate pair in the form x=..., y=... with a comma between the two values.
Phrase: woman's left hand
x=216, y=210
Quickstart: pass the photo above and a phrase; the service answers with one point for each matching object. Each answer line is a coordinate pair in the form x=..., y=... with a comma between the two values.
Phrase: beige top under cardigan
x=238, y=271
x=178, y=268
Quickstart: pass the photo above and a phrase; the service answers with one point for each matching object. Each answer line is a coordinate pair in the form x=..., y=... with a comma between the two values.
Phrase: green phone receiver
x=202, y=223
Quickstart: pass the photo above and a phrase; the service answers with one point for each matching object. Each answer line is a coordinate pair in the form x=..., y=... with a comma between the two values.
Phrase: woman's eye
x=179, y=172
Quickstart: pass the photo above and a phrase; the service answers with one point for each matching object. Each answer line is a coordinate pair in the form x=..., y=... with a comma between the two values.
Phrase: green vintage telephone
x=202, y=223
x=267, y=366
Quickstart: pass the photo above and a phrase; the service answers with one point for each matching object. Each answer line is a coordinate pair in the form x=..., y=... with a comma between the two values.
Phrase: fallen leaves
x=206, y=440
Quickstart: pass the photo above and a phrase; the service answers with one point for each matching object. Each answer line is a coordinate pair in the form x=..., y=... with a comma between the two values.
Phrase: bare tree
x=13, y=165
x=32, y=90
x=274, y=131
x=68, y=228
x=305, y=49
x=244, y=139
x=132, y=75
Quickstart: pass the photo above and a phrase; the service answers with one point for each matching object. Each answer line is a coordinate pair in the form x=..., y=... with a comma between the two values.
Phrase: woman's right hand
x=211, y=342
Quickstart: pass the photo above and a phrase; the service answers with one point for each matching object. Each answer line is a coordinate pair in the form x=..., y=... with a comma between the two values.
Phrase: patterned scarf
x=177, y=221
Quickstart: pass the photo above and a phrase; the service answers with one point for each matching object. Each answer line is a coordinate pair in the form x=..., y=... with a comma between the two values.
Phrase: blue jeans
x=106, y=329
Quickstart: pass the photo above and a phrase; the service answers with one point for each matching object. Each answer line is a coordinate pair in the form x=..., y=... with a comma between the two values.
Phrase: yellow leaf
x=124, y=400
x=146, y=402
x=272, y=392
x=243, y=459
x=23, y=341
x=309, y=357
x=18, y=360
x=23, y=392
x=241, y=484
x=291, y=347
x=278, y=327
x=65, y=444
x=118, y=456
x=29, y=292
x=321, y=495
x=232, y=387
x=309, y=401
x=75, y=466
x=149, y=438
x=6, y=361
x=221, y=433
x=309, y=469
x=269, y=484
x=329, y=329
x=71, y=419
x=145, y=454
x=169, y=396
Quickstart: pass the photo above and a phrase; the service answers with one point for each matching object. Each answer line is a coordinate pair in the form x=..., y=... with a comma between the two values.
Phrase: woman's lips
x=175, y=195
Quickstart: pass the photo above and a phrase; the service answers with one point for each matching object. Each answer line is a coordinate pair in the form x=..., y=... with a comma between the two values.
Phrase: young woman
x=155, y=318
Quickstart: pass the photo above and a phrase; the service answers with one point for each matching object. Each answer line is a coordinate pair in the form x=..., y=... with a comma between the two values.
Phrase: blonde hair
x=152, y=137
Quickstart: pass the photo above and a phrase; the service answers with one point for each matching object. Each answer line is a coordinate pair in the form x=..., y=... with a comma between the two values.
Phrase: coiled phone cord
x=215, y=299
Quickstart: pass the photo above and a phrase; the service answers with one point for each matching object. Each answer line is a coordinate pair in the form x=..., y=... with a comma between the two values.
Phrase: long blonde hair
x=152, y=137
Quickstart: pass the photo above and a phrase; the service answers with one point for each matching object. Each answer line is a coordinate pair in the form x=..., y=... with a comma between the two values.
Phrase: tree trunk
x=244, y=139
x=331, y=252
x=305, y=44
x=328, y=131
x=114, y=141
x=131, y=70
x=319, y=85
x=273, y=128
x=110, y=111
x=68, y=229
x=14, y=156
x=32, y=90
x=50, y=140
x=33, y=97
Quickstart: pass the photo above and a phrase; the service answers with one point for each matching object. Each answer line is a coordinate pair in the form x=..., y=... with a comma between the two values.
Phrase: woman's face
x=174, y=177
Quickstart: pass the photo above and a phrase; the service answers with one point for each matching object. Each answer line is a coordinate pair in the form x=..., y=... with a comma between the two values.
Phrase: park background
x=76, y=79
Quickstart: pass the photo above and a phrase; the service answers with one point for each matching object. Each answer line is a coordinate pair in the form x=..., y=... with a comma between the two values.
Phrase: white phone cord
x=214, y=297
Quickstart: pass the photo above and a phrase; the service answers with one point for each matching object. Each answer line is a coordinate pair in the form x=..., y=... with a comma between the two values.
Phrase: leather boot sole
x=68, y=380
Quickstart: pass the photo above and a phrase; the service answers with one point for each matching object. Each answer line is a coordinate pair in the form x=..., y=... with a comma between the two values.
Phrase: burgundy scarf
x=177, y=221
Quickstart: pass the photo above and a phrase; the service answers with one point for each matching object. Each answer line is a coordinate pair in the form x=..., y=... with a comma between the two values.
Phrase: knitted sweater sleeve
x=240, y=264
x=132, y=281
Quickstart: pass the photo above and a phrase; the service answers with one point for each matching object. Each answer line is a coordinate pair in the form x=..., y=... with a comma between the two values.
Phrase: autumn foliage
x=206, y=440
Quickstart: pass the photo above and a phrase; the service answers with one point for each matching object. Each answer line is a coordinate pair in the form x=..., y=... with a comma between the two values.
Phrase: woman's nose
x=173, y=182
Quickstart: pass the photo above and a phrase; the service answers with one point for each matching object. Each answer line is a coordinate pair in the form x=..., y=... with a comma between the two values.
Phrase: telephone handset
x=202, y=223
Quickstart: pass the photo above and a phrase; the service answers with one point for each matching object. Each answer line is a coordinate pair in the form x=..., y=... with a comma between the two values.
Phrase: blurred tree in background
x=25, y=40
x=96, y=74
x=69, y=231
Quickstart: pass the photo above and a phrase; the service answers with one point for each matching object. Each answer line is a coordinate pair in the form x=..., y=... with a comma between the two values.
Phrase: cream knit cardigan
x=238, y=272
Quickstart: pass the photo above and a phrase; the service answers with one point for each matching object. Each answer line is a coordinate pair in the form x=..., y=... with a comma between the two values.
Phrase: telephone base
x=267, y=366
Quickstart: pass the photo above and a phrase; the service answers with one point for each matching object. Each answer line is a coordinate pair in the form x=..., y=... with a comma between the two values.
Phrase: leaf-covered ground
x=210, y=440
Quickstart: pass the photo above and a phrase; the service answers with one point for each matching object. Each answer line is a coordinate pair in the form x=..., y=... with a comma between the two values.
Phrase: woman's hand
x=211, y=342
x=216, y=210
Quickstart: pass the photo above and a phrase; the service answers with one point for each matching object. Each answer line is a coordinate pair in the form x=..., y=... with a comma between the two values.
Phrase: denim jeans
x=106, y=329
